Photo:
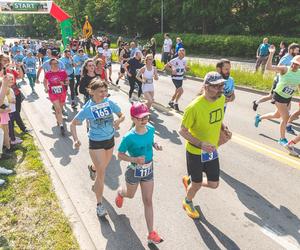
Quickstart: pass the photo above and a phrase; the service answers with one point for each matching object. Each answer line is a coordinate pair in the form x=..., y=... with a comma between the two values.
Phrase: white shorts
x=147, y=87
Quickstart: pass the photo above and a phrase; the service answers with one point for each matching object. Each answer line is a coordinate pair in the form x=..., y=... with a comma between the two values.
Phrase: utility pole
x=162, y=17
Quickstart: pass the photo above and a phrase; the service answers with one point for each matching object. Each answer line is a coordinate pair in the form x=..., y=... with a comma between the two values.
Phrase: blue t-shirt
x=138, y=145
x=100, y=117
x=68, y=65
x=264, y=49
x=15, y=48
x=178, y=46
x=286, y=60
x=30, y=64
x=46, y=65
x=79, y=59
x=229, y=86
x=18, y=58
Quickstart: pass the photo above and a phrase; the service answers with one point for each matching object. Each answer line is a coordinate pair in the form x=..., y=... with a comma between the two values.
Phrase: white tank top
x=148, y=74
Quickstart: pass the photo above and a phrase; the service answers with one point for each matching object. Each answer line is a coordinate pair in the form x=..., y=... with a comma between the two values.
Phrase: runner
x=223, y=67
x=79, y=60
x=123, y=58
x=18, y=60
x=67, y=60
x=146, y=75
x=99, y=112
x=289, y=79
x=29, y=63
x=5, y=49
x=201, y=127
x=177, y=66
x=55, y=83
x=107, y=54
x=286, y=60
x=100, y=69
x=139, y=143
x=88, y=74
x=131, y=68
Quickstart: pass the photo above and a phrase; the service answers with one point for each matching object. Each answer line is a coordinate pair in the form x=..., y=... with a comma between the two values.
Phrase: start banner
x=25, y=7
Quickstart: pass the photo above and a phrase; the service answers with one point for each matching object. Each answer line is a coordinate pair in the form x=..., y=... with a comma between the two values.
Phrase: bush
x=224, y=45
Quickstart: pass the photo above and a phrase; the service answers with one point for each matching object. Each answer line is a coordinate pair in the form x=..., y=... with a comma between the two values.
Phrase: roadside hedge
x=224, y=45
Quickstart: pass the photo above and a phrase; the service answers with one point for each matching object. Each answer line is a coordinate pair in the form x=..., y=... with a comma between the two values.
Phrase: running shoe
x=119, y=200
x=254, y=105
x=186, y=182
x=5, y=171
x=190, y=209
x=283, y=141
x=2, y=182
x=16, y=141
x=257, y=120
x=290, y=130
x=176, y=107
x=290, y=147
x=171, y=104
x=101, y=211
x=62, y=130
x=92, y=172
x=154, y=238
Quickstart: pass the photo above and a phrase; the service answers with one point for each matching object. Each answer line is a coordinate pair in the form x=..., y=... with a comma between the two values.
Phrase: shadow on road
x=112, y=174
x=162, y=131
x=204, y=225
x=62, y=147
x=281, y=221
x=120, y=235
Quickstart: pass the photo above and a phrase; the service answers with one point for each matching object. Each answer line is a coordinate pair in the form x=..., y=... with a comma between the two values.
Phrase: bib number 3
x=205, y=157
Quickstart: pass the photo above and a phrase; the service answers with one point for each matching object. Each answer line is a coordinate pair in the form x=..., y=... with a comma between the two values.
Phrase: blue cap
x=213, y=78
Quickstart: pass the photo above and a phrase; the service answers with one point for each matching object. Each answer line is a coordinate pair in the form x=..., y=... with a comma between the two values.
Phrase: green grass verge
x=30, y=213
x=241, y=77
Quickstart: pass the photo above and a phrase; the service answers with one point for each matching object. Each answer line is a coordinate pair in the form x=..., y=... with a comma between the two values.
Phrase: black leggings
x=77, y=84
x=132, y=82
x=72, y=86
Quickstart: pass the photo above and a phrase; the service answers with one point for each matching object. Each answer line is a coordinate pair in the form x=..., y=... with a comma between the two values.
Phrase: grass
x=241, y=77
x=30, y=213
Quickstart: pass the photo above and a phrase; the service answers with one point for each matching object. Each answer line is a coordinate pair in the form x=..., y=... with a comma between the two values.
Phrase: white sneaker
x=16, y=141
x=2, y=182
x=5, y=171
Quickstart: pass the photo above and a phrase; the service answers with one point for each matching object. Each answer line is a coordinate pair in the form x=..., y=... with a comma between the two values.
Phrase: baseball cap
x=105, y=44
x=296, y=60
x=213, y=78
x=100, y=50
x=28, y=52
x=54, y=52
x=139, y=110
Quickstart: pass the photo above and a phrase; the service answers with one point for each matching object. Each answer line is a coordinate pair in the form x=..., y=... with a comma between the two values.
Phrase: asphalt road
x=255, y=207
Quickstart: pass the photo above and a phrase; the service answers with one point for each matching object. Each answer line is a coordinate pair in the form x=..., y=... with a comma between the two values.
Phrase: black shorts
x=177, y=83
x=280, y=99
x=195, y=168
x=107, y=144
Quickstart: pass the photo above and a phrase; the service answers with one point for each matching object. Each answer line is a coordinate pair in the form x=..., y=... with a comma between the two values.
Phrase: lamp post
x=162, y=17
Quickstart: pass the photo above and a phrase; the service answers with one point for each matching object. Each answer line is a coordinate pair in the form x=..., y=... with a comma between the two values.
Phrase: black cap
x=54, y=52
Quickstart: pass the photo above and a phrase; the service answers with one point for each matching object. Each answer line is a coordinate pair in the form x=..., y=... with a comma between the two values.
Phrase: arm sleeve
x=123, y=147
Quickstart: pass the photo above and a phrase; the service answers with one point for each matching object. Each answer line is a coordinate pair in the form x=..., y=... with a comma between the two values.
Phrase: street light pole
x=162, y=17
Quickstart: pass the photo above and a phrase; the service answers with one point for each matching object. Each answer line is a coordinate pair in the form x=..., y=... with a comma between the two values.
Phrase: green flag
x=66, y=30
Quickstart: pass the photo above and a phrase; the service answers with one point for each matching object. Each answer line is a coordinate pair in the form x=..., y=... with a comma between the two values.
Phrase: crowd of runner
x=85, y=67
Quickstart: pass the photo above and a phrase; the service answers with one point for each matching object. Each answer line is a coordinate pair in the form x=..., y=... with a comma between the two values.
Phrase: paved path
x=255, y=207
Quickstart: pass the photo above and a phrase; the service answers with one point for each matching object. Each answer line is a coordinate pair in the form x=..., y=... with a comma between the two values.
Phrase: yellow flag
x=87, y=28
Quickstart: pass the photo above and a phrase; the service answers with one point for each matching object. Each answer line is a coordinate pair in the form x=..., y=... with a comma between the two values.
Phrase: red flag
x=58, y=13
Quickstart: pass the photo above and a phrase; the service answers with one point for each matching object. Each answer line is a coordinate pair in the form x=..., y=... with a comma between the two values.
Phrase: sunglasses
x=145, y=118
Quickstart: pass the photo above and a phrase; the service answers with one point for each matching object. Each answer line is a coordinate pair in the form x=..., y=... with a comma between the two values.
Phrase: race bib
x=288, y=90
x=30, y=70
x=205, y=157
x=149, y=81
x=101, y=110
x=142, y=171
x=57, y=89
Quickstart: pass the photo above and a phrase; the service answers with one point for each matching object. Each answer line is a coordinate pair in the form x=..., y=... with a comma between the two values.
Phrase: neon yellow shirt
x=203, y=119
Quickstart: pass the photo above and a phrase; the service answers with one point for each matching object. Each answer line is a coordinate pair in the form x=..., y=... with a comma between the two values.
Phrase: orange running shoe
x=119, y=200
x=154, y=238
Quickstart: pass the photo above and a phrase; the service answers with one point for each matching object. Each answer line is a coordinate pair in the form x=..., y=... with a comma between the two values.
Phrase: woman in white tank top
x=147, y=75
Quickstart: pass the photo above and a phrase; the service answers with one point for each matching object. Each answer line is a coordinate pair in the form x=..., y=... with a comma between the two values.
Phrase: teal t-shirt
x=264, y=49
x=138, y=145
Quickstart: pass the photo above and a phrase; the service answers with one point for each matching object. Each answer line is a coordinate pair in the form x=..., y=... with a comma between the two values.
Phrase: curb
x=238, y=87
